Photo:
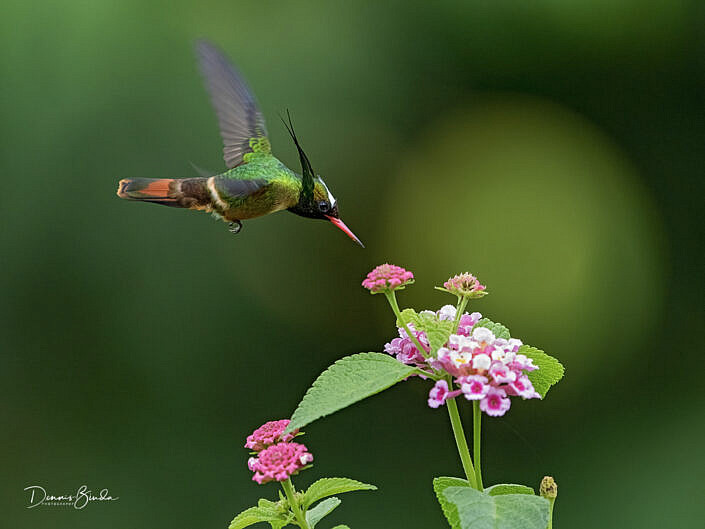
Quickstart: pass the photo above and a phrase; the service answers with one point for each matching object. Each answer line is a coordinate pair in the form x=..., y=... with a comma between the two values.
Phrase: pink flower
x=474, y=387
x=439, y=394
x=404, y=349
x=495, y=402
x=501, y=373
x=523, y=363
x=268, y=434
x=467, y=321
x=387, y=277
x=279, y=462
x=523, y=387
x=465, y=285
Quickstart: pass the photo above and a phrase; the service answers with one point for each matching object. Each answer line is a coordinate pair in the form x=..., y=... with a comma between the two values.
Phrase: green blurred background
x=554, y=149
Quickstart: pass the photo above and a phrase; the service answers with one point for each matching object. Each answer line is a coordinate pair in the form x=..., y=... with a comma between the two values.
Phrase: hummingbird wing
x=239, y=118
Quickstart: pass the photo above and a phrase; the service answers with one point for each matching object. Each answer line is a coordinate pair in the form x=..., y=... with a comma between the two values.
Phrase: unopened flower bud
x=548, y=488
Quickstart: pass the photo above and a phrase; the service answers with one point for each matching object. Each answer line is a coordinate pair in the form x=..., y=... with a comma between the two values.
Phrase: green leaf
x=499, y=330
x=437, y=331
x=549, y=369
x=330, y=486
x=477, y=510
x=266, y=504
x=323, y=509
x=508, y=488
x=410, y=316
x=341, y=527
x=347, y=381
x=254, y=515
x=449, y=510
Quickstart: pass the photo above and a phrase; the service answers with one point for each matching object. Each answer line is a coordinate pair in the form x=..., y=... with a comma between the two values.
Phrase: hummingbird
x=255, y=183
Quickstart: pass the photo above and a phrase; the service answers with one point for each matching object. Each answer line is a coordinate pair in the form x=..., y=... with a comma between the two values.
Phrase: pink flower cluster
x=277, y=457
x=484, y=367
x=279, y=462
x=387, y=277
x=465, y=285
x=269, y=433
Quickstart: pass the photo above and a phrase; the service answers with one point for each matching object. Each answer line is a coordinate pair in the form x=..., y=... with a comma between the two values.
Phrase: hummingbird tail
x=189, y=193
x=158, y=190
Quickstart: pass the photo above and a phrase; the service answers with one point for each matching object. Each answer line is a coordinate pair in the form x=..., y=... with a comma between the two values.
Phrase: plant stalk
x=294, y=504
x=476, y=441
x=461, y=442
x=459, y=310
x=392, y=299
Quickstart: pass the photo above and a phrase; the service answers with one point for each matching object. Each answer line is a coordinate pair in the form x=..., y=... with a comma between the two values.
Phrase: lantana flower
x=484, y=367
x=404, y=349
x=269, y=433
x=387, y=277
x=465, y=285
x=279, y=462
x=440, y=393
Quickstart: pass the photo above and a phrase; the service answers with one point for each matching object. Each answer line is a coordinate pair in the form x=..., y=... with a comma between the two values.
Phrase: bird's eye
x=323, y=206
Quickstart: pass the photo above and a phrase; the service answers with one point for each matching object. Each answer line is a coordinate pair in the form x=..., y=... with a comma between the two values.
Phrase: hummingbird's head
x=321, y=204
x=315, y=200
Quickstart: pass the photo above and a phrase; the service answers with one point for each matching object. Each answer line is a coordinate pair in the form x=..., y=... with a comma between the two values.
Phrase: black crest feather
x=307, y=180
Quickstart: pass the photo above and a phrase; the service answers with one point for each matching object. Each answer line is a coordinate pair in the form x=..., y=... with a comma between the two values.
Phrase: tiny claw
x=235, y=227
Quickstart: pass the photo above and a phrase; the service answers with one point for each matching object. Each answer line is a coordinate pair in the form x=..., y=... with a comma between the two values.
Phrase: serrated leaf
x=477, y=510
x=410, y=316
x=549, y=369
x=508, y=488
x=499, y=330
x=449, y=510
x=254, y=515
x=330, y=486
x=323, y=509
x=346, y=382
x=437, y=331
x=266, y=504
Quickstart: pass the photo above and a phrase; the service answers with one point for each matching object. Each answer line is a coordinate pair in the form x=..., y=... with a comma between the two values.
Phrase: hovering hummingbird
x=255, y=183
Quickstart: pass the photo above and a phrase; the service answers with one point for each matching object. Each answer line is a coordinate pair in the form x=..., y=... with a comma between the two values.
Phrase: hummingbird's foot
x=235, y=227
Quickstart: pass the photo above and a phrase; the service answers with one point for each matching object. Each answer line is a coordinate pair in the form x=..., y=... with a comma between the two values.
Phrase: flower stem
x=476, y=440
x=392, y=299
x=294, y=504
x=551, y=501
x=460, y=309
x=461, y=442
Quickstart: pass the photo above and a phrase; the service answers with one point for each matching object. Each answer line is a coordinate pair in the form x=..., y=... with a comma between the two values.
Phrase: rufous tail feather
x=192, y=193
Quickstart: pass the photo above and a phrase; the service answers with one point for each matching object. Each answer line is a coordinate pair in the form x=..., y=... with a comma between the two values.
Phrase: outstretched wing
x=239, y=117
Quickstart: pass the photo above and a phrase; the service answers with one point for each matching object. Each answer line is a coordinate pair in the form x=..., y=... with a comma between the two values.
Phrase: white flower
x=483, y=334
x=481, y=361
x=447, y=312
x=460, y=359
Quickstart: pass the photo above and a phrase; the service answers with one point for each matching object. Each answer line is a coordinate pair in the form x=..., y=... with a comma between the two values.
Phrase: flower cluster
x=465, y=285
x=277, y=457
x=484, y=367
x=387, y=277
x=279, y=462
x=269, y=433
